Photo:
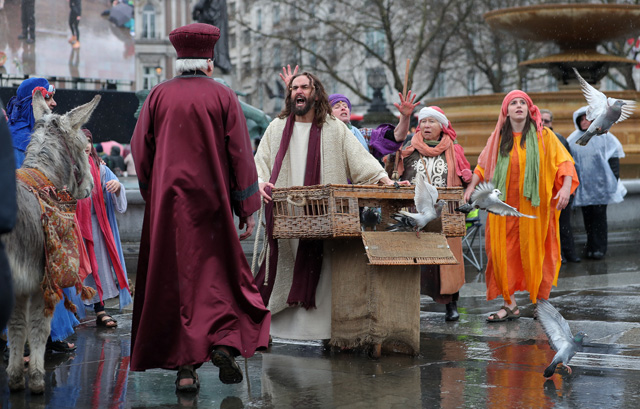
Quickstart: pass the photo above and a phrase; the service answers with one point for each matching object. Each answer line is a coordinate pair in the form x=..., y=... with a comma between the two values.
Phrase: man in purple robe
x=196, y=298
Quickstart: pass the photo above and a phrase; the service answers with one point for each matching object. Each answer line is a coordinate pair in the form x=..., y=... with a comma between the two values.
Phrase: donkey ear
x=80, y=115
x=40, y=107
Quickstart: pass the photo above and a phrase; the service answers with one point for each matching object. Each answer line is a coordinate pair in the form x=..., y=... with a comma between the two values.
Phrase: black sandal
x=230, y=372
x=186, y=373
x=101, y=321
x=510, y=315
x=59, y=346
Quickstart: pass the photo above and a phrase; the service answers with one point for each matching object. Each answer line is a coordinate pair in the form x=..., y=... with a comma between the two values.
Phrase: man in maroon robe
x=196, y=298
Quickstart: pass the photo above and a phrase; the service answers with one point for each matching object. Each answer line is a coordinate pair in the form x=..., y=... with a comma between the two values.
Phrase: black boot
x=452, y=312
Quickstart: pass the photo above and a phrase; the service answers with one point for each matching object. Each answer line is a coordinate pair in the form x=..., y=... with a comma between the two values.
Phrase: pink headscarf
x=489, y=155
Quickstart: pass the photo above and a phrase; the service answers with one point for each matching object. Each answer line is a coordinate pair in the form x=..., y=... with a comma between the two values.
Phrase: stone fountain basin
x=571, y=26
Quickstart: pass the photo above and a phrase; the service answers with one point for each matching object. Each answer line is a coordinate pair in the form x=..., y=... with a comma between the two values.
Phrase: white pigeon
x=603, y=111
x=428, y=208
x=487, y=197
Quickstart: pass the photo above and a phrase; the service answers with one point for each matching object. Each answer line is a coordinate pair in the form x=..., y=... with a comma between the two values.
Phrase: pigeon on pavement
x=487, y=197
x=560, y=337
x=603, y=111
x=370, y=217
x=427, y=205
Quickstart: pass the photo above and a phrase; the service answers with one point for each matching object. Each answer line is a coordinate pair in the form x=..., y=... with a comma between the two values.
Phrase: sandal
x=103, y=320
x=229, y=370
x=60, y=346
x=187, y=373
x=508, y=317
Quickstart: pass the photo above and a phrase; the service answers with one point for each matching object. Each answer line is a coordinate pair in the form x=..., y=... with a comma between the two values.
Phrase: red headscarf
x=489, y=155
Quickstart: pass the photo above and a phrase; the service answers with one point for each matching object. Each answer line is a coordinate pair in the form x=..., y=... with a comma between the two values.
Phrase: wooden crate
x=333, y=211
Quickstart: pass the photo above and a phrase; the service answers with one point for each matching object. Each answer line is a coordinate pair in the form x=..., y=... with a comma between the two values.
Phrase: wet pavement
x=106, y=52
x=467, y=364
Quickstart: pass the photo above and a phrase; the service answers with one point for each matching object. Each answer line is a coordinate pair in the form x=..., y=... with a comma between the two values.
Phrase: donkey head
x=57, y=146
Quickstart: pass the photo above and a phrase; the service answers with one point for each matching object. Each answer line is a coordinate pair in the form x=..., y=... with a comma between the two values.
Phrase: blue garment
x=359, y=136
x=107, y=175
x=20, y=114
x=63, y=320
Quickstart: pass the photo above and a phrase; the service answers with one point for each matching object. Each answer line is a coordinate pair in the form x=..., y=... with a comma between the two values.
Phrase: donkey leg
x=39, y=329
x=17, y=335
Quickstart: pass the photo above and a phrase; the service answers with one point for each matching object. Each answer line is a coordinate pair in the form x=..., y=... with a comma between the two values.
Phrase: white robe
x=343, y=158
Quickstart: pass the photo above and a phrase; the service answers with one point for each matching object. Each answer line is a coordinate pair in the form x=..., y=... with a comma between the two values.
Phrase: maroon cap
x=195, y=41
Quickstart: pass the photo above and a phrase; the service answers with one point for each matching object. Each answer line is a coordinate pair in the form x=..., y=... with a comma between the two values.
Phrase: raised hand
x=286, y=74
x=406, y=105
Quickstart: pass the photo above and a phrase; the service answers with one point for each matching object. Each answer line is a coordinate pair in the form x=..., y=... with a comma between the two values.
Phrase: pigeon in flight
x=427, y=205
x=603, y=111
x=370, y=217
x=487, y=197
x=560, y=337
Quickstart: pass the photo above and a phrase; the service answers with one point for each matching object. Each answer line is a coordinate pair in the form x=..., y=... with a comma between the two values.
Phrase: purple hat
x=195, y=41
x=335, y=98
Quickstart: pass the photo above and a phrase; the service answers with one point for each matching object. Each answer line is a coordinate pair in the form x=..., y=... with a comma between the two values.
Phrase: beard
x=304, y=109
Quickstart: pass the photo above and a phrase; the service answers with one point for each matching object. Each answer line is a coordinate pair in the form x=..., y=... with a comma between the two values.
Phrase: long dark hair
x=321, y=106
x=506, y=140
x=93, y=154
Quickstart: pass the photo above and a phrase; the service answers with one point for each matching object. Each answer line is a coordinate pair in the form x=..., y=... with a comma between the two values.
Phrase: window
x=259, y=18
x=471, y=83
x=232, y=10
x=149, y=77
x=376, y=42
x=148, y=21
x=246, y=37
x=313, y=60
x=276, y=57
x=232, y=41
x=276, y=15
x=246, y=68
x=439, y=88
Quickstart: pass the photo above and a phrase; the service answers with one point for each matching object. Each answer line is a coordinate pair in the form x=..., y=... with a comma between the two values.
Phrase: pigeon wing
x=597, y=100
x=626, y=109
x=502, y=209
x=554, y=325
x=426, y=195
x=481, y=192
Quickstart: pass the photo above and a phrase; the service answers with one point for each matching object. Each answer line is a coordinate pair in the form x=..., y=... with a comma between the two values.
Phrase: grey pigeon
x=560, y=337
x=487, y=197
x=603, y=111
x=428, y=208
x=370, y=217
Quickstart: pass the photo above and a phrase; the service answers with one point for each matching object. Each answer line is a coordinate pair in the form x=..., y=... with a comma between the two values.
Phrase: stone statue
x=214, y=12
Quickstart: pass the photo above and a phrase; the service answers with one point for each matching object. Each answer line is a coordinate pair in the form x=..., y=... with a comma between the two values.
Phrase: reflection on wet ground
x=457, y=369
x=465, y=364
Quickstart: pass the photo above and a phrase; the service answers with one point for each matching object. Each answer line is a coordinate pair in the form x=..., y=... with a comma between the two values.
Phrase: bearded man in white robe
x=306, y=145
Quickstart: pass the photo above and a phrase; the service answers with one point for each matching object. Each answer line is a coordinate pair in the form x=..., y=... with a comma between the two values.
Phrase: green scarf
x=531, y=170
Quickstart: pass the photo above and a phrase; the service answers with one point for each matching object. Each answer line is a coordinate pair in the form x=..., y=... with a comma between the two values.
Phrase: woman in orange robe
x=536, y=174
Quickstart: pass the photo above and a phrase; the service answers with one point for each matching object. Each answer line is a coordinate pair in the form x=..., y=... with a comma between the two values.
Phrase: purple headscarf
x=335, y=98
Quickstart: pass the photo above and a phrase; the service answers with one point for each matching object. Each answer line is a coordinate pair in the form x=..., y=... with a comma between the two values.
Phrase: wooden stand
x=376, y=307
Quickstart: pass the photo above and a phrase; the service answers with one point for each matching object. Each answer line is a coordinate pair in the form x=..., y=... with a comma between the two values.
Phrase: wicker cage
x=333, y=211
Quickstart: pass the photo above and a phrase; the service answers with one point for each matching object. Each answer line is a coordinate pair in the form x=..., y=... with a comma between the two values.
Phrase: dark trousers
x=595, y=223
x=29, y=18
x=566, y=235
x=73, y=24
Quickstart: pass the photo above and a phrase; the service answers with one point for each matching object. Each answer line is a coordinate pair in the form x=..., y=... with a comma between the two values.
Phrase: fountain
x=577, y=29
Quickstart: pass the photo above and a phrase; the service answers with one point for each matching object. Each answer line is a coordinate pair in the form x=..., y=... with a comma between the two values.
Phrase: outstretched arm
x=406, y=107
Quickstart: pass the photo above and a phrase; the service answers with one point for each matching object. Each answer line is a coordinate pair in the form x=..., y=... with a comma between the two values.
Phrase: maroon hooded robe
x=194, y=287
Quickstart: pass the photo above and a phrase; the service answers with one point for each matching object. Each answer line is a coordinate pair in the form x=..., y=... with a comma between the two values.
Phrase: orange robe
x=524, y=254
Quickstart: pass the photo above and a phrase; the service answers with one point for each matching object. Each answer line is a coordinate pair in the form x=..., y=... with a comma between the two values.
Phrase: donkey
x=57, y=149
